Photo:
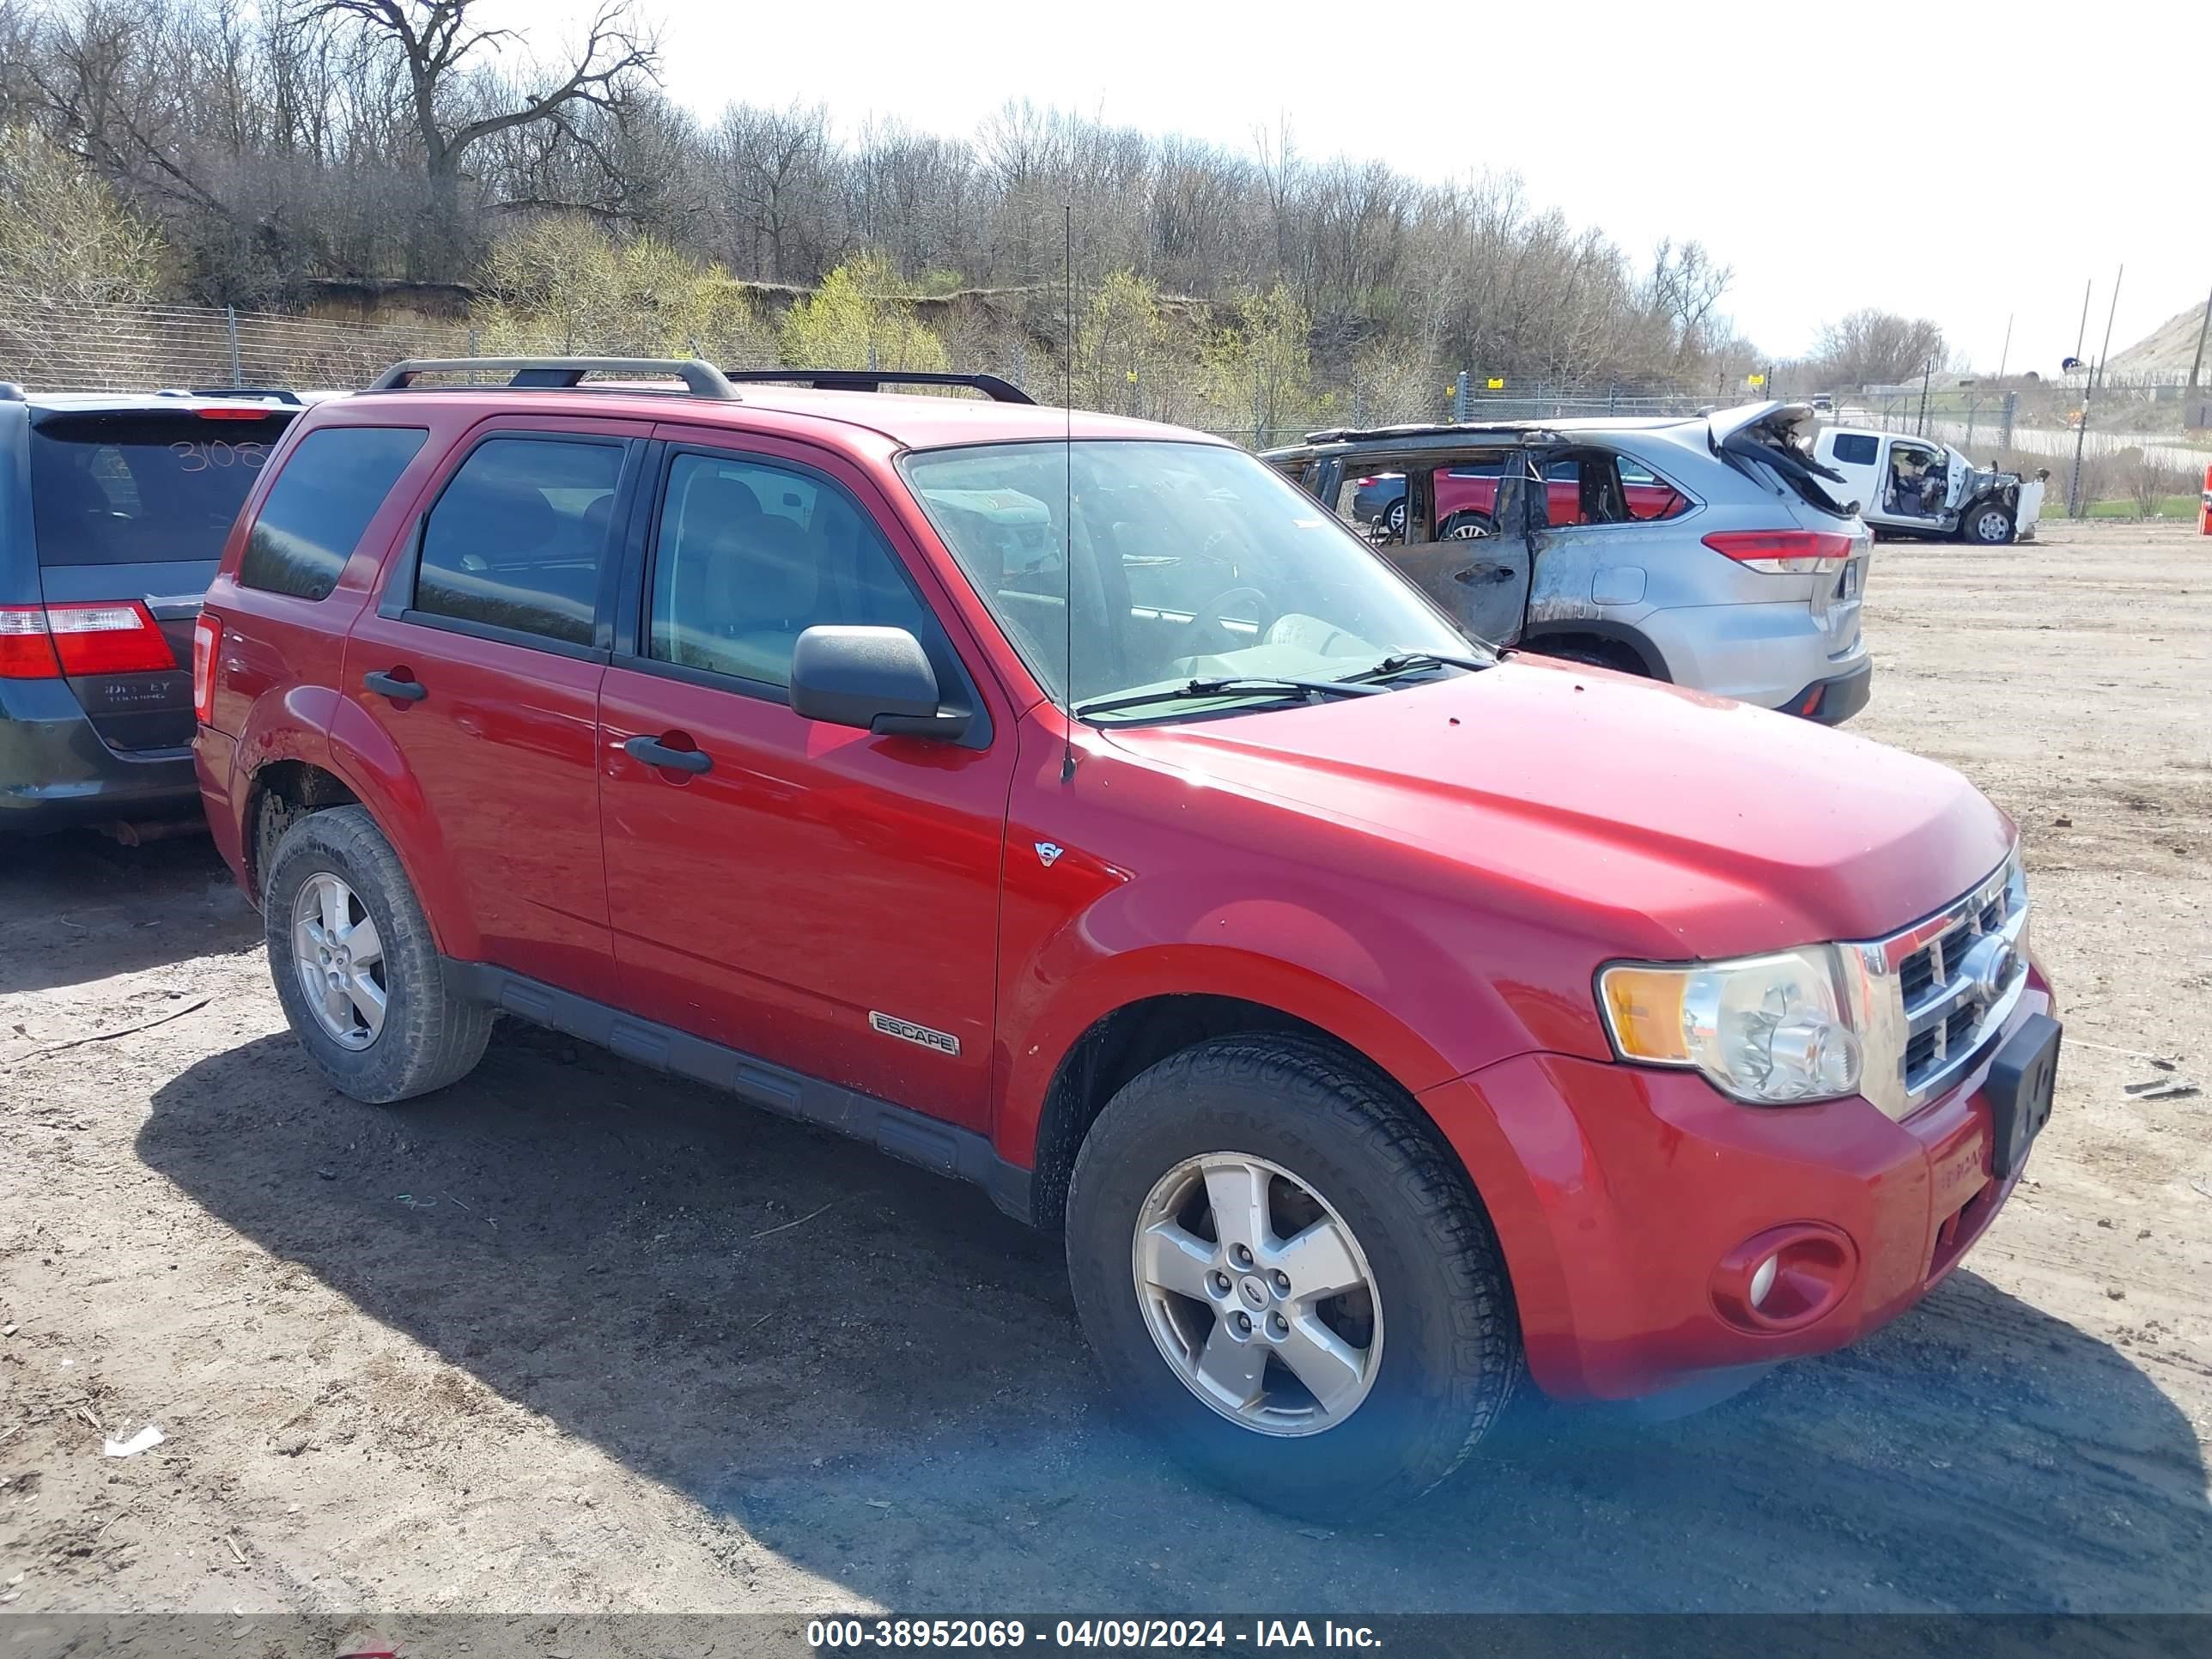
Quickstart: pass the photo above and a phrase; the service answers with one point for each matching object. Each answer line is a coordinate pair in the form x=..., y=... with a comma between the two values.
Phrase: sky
x=1970, y=163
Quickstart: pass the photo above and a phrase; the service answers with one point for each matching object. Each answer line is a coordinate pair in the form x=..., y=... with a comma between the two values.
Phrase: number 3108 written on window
x=200, y=456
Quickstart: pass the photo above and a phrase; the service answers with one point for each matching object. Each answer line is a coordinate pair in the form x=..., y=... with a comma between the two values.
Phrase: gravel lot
x=575, y=1337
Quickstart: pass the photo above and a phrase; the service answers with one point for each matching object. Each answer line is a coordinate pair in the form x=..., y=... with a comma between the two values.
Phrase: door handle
x=1485, y=572
x=653, y=752
x=390, y=684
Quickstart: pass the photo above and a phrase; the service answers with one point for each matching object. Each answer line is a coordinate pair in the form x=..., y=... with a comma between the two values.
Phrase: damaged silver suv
x=1706, y=550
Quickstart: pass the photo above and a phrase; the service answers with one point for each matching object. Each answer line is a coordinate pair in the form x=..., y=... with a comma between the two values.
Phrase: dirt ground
x=574, y=1336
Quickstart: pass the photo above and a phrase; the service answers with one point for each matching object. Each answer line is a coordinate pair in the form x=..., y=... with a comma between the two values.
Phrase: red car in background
x=1467, y=497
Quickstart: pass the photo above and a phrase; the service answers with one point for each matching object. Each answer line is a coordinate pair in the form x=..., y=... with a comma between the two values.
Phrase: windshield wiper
x=1261, y=686
x=1403, y=661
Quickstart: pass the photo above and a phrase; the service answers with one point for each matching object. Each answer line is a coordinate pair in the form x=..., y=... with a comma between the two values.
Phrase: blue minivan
x=113, y=510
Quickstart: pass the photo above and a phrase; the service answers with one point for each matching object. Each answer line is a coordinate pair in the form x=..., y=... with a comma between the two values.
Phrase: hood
x=1660, y=822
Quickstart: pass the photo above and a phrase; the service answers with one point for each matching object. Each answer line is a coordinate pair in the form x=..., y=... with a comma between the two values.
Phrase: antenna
x=1068, y=478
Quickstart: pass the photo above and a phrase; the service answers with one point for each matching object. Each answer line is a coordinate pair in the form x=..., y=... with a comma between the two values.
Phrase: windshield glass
x=1192, y=561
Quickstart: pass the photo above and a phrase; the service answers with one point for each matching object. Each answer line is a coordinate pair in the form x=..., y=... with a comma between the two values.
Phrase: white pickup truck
x=1916, y=486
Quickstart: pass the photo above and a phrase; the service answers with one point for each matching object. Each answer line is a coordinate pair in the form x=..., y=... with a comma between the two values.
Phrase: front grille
x=1951, y=1006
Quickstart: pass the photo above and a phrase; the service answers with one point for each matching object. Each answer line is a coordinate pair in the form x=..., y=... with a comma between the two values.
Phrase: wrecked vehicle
x=1715, y=551
x=1918, y=486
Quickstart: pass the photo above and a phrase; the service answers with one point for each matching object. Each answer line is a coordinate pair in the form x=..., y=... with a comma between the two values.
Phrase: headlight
x=1772, y=1030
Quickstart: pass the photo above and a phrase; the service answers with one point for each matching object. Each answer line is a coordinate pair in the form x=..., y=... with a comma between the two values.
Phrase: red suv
x=1068, y=804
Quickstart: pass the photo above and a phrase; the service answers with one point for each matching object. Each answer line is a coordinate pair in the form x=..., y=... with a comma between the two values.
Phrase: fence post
x=230, y=329
x=1463, y=396
x=2011, y=408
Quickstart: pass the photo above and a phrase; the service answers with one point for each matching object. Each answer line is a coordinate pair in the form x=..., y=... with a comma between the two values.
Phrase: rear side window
x=320, y=504
x=141, y=489
x=1600, y=487
x=1856, y=448
x=519, y=537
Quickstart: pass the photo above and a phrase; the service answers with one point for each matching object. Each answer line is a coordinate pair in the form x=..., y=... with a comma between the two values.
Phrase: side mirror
x=876, y=678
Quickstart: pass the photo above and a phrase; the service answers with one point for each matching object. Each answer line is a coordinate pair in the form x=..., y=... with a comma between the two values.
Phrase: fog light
x=1763, y=1280
x=1784, y=1278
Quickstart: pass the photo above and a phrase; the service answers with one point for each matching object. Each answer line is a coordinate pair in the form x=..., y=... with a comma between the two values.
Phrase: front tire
x=357, y=967
x=1987, y=525
x=1365, y=1340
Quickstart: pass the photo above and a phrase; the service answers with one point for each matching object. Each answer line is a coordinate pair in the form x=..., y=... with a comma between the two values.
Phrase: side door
x=1857, y=456
x=1475, y=564
x=816, y=895
x=480, y=661
x=1960, y=477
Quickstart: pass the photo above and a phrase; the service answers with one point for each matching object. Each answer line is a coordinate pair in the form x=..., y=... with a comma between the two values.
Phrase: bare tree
x=454, y=111
x=1880, y=348
x=1685, y=283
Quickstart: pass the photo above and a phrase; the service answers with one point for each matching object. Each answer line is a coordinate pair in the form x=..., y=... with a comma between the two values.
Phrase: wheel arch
x=1117, y=1041
x=358, y=765
x=1601, y=633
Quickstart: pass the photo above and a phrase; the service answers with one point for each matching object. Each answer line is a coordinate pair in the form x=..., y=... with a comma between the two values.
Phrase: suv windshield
x=135, y=489
x=1191, y=563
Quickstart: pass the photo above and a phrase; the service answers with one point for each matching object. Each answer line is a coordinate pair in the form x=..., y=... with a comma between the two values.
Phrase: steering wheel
x=1208, y=619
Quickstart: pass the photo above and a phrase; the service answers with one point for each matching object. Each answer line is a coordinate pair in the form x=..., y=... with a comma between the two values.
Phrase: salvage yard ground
x=574, y=1336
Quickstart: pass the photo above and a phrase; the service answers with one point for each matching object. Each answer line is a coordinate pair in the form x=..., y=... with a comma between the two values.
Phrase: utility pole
x=2096, y=374
x=2196, y=362
x=2082, y=332
x=2005, y=356
x=1927, y=375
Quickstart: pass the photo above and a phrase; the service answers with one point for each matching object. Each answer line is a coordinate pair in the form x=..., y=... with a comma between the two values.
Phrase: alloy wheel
x=339, y=959
x=1257, y=1294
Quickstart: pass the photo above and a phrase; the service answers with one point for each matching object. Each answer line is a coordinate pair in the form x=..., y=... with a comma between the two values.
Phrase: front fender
x=1077, y=1004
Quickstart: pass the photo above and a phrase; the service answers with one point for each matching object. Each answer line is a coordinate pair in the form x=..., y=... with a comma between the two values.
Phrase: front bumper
x=56, y=774
x=1619, y=1191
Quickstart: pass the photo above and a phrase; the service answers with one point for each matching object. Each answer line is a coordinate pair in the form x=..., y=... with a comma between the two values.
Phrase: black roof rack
x=701, y=379
x=273, y=393
x=870, y=379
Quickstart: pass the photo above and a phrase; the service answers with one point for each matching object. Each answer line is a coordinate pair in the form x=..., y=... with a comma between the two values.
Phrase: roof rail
x=870, y=379
x=274, y=393
x=701, y=379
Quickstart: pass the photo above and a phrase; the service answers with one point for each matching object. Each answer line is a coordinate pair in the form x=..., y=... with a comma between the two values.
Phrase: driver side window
x=748, y=556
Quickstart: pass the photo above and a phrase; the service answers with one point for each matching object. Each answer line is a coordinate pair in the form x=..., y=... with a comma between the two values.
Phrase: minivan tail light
x=1784, y=552
x=39, y=642
x=26, y=651
x=207, y=636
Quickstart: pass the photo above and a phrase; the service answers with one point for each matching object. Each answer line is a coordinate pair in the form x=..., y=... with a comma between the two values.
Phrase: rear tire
x=340, y=911
x=1426, y=1350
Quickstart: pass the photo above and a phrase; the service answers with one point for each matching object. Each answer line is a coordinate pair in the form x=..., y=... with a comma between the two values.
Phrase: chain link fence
x=82, y=345
x=51, y=344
